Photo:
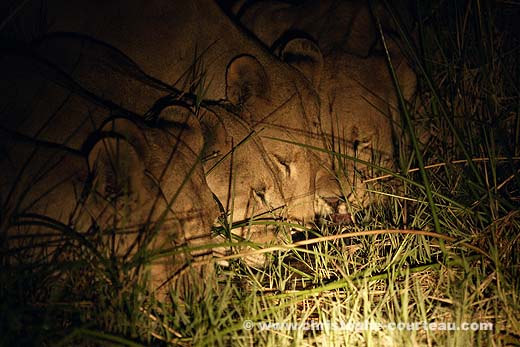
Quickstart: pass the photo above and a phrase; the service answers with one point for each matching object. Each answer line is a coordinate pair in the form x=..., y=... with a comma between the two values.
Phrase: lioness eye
x=260, y=193
x=284, y=165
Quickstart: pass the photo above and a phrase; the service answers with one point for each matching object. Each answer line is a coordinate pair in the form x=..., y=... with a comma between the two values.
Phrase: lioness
x=133, y=187
x=348, y=62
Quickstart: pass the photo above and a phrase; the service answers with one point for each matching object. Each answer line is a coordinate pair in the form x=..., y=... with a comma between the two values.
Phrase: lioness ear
x=183, y=125
x=305, y=55
x=245, y=79
x=116, y=167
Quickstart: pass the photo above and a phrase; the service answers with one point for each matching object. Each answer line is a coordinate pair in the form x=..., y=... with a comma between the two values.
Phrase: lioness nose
x=334, y=208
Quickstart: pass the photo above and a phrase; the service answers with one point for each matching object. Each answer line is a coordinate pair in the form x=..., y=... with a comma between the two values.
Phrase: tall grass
x=447, y=256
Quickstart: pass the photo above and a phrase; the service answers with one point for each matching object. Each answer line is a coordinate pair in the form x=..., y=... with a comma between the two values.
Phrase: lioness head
x=360, y=113
x=134, y=188
x=345, y=58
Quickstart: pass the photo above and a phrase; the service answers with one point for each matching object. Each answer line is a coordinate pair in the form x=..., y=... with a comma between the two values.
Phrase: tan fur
x=335, y=44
